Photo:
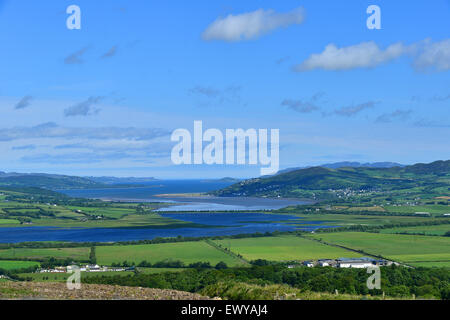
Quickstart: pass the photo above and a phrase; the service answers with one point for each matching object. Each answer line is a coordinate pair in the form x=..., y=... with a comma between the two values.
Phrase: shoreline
x=169, y=197
x=193, y=202
x=182, y=195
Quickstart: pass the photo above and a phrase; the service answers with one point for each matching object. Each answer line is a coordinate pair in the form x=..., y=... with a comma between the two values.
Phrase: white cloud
x=362, y=55
x=251, y=25
x=434, y=56
x=426, y=56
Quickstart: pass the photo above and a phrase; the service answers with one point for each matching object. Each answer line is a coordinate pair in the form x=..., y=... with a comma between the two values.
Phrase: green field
x=433, y=264
x=132, y=220
x=60, y=253
x=115, y=212
x=9, y=221
x=356, y=219
x=438, y=230
x=188, y=252
x=283, y=248
x=14, y=265
x=408, y=249
x=93, y=214
x=432, y=209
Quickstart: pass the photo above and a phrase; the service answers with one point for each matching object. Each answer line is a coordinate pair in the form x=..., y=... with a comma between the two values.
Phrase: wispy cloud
x=110, y=53
x=304, y=106
x=433, y=56
x=116, y=97
x=76, y=57
x=213, y=95
x=90, y=157
x=396, y=115
x=352, y=110
x=251, y=25
x=426, y=123
x=84, y=108
x=24, y=102
x=26, y=147
x=282, y=60
x=71, y=158
x=149, y=146
x=51, y=130
x=440, y=98
x=205, y=91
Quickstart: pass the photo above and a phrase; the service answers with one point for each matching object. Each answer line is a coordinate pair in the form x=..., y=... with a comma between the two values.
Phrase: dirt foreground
x=59, y=291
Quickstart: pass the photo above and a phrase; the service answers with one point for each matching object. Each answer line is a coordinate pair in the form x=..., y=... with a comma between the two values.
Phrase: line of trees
x=365, y=228
x=171, y=264
x=395, y=281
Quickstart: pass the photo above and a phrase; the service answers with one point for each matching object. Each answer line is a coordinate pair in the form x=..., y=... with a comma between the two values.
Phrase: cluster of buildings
x=363, y=262
x=348, y=192
x=423, y=214
x=86, y=268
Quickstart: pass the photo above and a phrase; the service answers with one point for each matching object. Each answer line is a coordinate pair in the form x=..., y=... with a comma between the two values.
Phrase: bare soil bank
x=59, y=291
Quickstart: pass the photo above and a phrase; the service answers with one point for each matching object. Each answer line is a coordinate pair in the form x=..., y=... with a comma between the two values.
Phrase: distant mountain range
x=56, y=181
x=46, y=181
x=349, y=164
x=289, y=182
x=307, y=182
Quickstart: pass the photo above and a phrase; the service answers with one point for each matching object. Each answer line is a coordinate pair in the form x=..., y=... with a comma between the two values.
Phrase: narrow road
x=234, y=255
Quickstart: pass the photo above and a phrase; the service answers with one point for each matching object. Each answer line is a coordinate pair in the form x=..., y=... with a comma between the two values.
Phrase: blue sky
x=103, y=100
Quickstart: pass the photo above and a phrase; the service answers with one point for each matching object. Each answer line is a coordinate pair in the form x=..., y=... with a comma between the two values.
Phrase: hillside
x=347, y=164
x=46, y=181
x=324, y=182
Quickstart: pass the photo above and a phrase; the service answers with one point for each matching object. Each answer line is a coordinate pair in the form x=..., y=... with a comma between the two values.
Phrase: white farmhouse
x=355, y=263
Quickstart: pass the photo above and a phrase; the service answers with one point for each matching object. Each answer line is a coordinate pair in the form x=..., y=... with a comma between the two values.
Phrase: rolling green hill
x=46, y=181
x=319, y=181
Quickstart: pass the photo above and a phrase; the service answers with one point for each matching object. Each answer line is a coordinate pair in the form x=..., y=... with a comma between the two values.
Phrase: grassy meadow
x=438, y=230
x=81, y=253
x=7, y=222
x=187, y=252
x=283, y=248
x=15, y=265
